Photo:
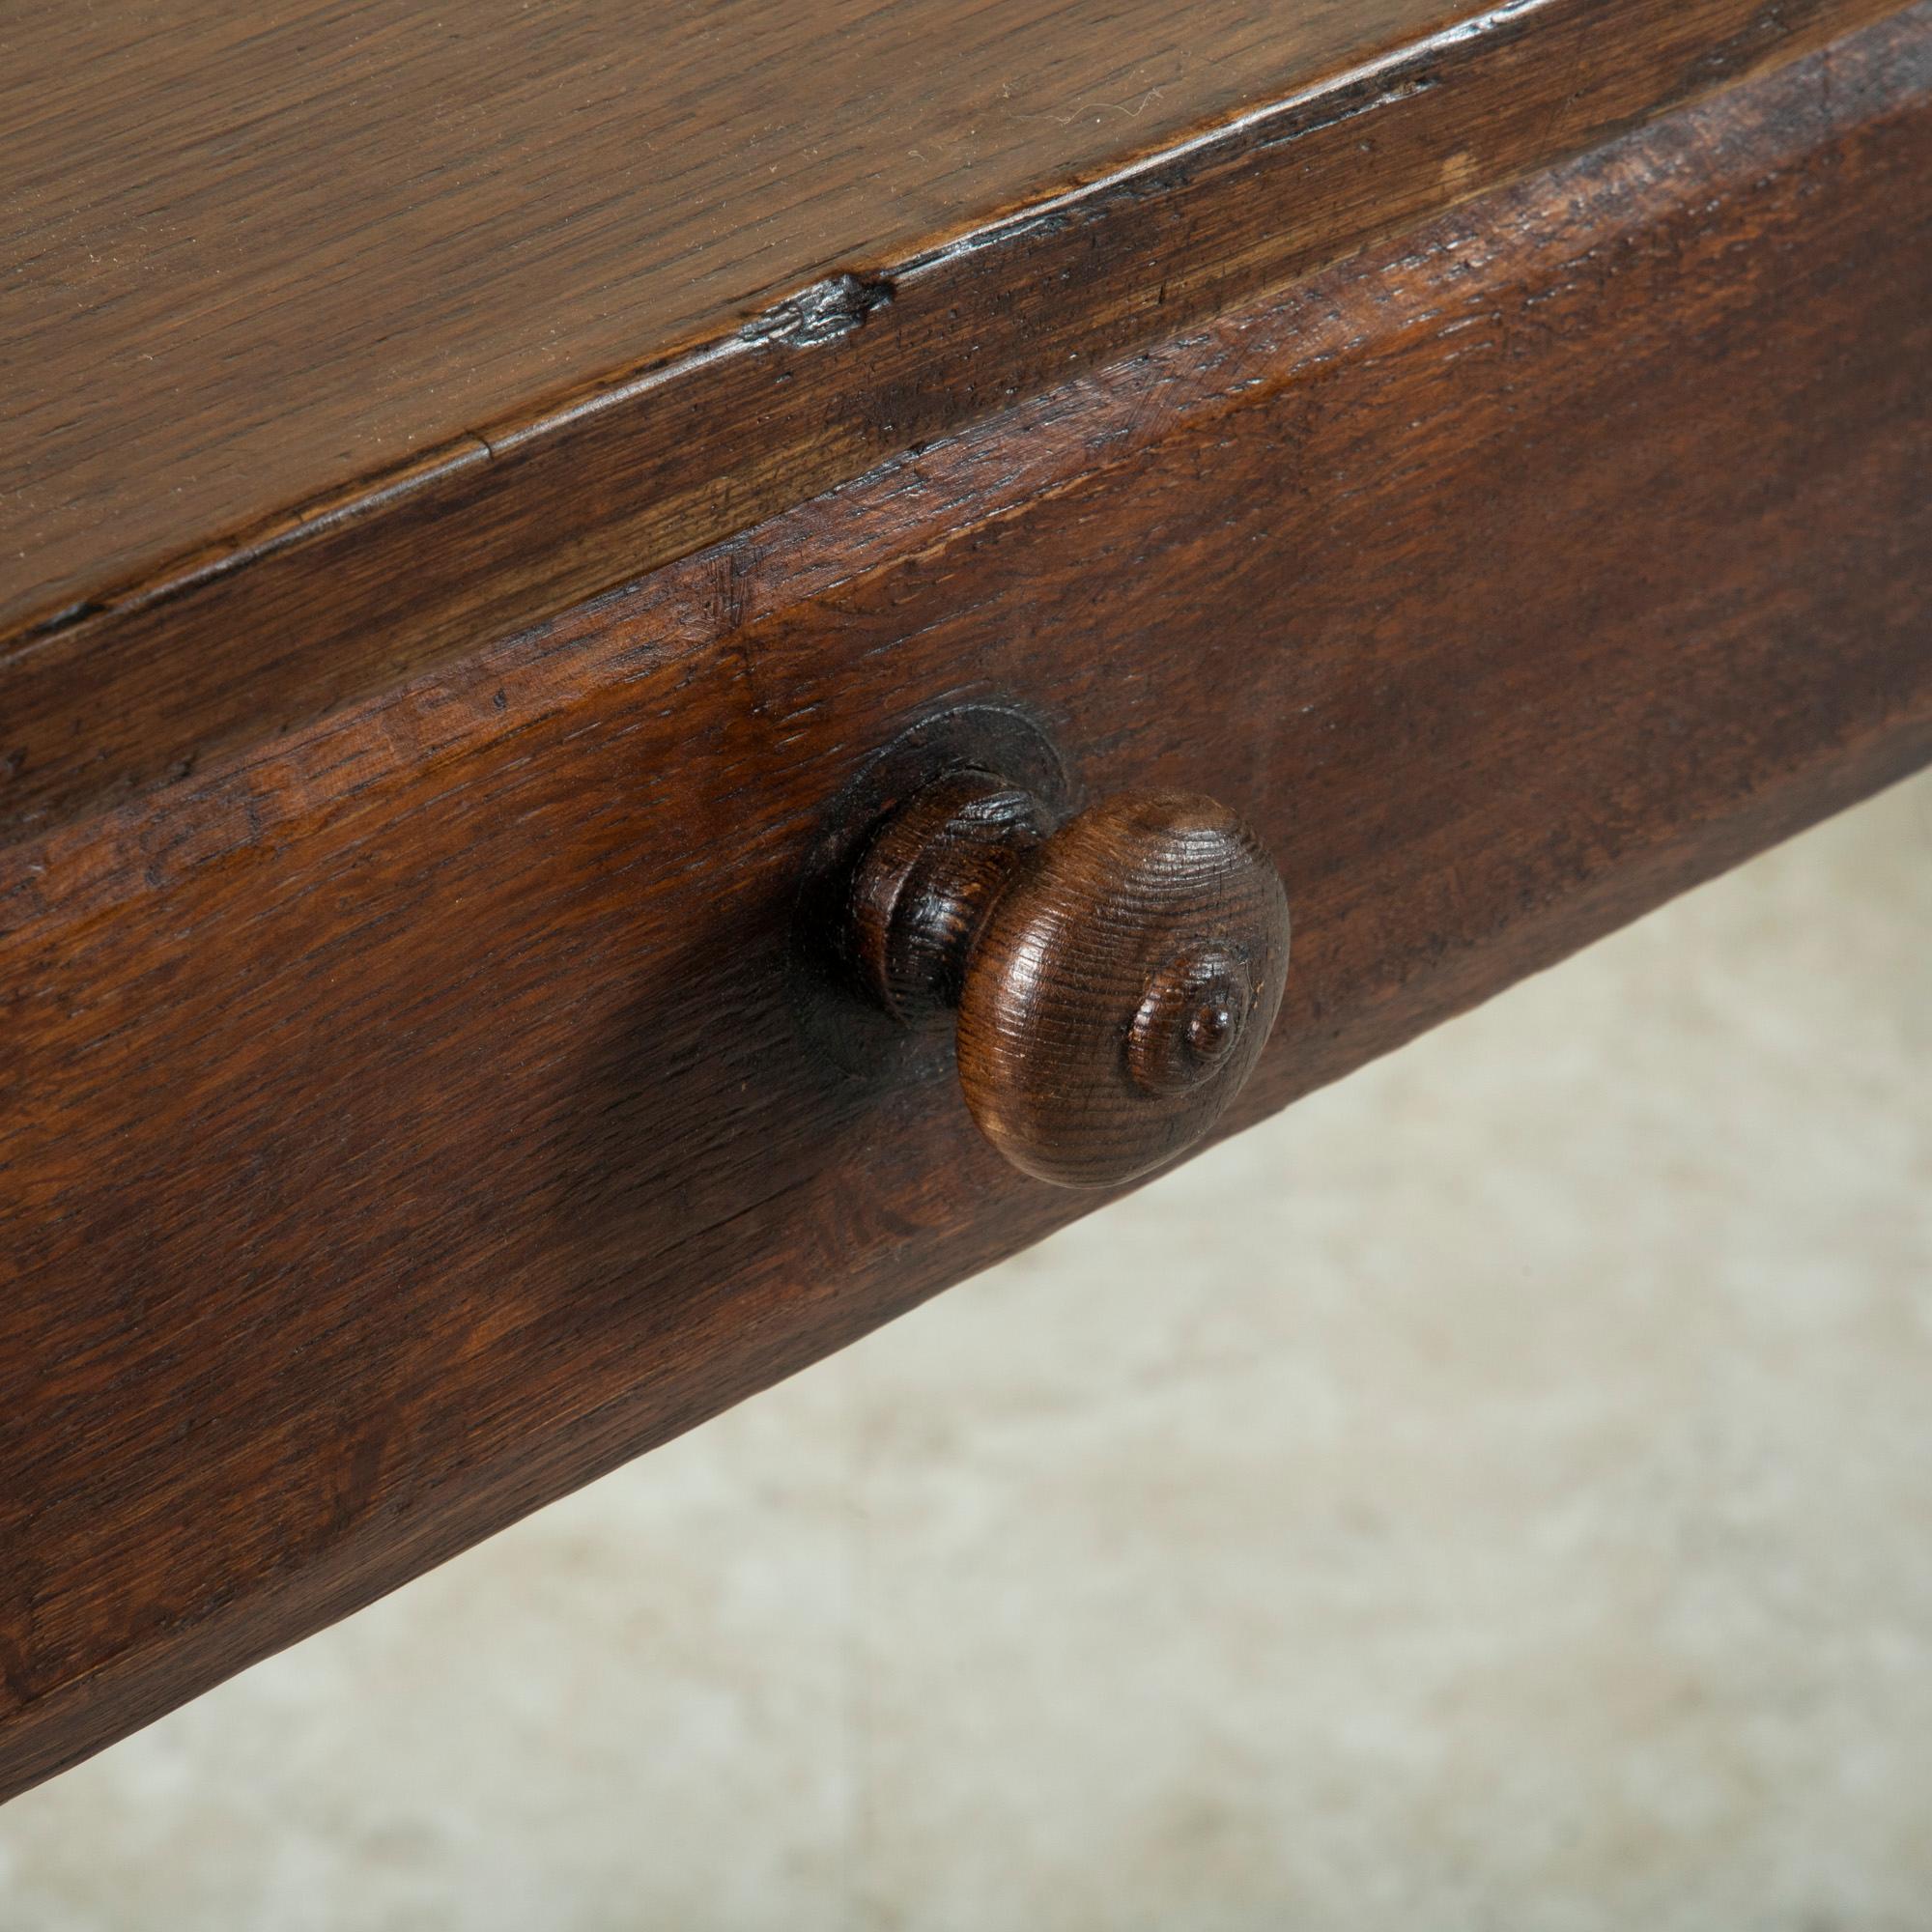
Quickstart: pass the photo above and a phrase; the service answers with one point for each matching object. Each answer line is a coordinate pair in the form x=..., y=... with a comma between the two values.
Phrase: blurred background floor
x=1496, y=1494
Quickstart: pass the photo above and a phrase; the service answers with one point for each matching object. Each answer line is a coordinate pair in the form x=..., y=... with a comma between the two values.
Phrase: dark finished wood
x=1122, y=989
x=452, y=325
x=924, y=875
x=1115, y=975
x=402, y=1126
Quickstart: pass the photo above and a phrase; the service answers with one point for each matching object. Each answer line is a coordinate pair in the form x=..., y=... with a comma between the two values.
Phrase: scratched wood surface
x=341, y=338
x=409, y=1120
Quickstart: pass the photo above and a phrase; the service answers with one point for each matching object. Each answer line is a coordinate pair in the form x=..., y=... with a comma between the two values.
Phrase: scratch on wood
x=822, y=313
x=1345, y=108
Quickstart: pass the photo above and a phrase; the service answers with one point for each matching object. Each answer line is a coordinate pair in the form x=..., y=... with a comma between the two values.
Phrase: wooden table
x=510, y=515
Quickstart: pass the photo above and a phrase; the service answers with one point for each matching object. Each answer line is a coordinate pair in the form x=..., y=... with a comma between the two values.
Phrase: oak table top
x=257, y=255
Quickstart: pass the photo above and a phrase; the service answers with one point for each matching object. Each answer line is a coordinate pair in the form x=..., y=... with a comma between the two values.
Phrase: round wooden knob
x=1113, y=981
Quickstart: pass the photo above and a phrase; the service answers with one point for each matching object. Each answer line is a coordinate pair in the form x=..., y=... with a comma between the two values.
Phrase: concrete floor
x=1497, y=1495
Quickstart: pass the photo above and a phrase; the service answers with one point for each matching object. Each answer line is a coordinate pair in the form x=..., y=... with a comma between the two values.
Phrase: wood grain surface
x=407, y=1120
x=268, y=250
x=340, y=338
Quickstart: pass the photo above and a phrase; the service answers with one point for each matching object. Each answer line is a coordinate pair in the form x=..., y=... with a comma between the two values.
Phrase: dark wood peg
x=1112, y=979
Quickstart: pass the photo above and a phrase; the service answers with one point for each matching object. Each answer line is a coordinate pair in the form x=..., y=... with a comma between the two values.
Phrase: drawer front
x=413, y=1118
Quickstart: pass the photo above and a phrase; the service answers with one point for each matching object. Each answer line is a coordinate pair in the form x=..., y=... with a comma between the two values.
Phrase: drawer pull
x=1112, y=979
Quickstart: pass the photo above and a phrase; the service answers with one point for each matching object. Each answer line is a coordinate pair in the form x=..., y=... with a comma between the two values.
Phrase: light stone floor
x=1497, y=1495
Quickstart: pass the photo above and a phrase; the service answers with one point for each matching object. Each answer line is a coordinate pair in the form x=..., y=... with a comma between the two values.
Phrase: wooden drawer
x=418, y=1112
